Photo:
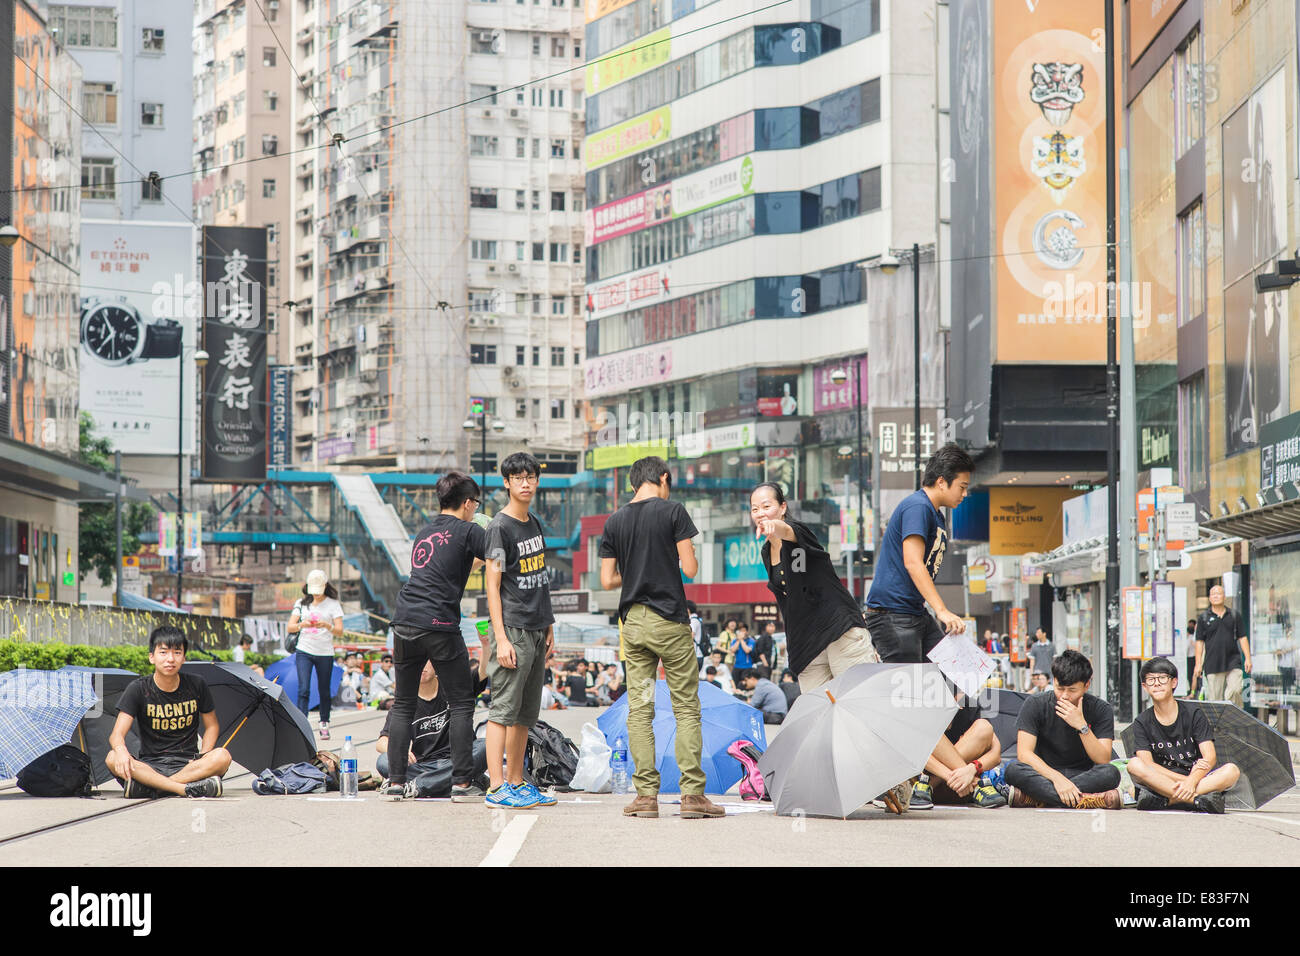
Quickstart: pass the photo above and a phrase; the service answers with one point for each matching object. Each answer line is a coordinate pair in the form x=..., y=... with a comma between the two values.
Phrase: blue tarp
x=137, y=603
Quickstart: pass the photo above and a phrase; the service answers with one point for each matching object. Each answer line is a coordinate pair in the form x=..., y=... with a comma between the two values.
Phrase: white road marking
x=510, y=842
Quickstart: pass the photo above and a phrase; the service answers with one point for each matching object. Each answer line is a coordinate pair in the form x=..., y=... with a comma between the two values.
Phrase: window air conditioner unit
x=492, y=321
x=514, y=113
x=513, y=267
x=491, y=268
x=473, y=322
x=515, y=383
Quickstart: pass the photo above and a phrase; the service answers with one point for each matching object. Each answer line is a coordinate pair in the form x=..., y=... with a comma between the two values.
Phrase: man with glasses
x=1175, y=759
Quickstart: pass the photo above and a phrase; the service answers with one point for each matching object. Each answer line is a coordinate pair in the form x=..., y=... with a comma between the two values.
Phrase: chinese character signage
x=829, y=397
x=894, y=431
x=631, y=369
x=280, y=425
x=136, y=306
x=234, y=336
x=1279, y=456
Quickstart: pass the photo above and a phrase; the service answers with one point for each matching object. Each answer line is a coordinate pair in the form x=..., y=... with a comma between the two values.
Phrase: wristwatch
x=113, y=331
x=1083, y=731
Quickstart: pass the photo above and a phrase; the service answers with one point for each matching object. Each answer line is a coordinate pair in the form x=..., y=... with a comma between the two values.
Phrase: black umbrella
x=92, y=733
x=1259, y=751
x=1001, y=708
x=259, y=727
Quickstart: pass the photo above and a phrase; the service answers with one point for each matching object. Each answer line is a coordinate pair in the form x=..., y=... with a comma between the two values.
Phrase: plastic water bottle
x=348, y=770
x=618, y=763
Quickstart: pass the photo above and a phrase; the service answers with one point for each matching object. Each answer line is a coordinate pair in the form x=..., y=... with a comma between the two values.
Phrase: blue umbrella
x=723, y=720
x=285, y=673
x=39, y=710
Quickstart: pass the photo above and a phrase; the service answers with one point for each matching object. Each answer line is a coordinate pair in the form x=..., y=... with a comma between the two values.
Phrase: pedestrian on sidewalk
x=645, y=550
x=426, y=626
x=1222, y=650
x=317, y=619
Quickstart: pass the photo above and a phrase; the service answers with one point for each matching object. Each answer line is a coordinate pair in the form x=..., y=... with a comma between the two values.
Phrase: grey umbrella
x=855, y=737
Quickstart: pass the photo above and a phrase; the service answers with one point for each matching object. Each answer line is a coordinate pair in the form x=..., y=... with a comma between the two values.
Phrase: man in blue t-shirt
x=908, y=560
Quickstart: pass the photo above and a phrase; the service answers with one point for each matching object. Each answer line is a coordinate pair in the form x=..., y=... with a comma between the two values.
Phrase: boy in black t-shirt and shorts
x=168, y=708
x=1174, y=758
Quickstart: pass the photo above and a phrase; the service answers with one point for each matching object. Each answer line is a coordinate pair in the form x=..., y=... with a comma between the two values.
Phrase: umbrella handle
x=831, y=696
x=236, y=730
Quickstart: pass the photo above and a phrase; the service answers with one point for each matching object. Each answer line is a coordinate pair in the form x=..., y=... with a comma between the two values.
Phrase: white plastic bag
x=593, y=774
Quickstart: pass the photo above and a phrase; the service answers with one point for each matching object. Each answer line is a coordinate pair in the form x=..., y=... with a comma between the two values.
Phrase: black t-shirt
x=520, y=546
x=791, y=690
x=815, y=605
x=961, y=722
x=763, y=645
x=441, y=561
x=168, y=723
x=1220, y=634
x=642, y=537
x=429, y=737
x=1177, y=746
x=577, y=688
x=1059, y=744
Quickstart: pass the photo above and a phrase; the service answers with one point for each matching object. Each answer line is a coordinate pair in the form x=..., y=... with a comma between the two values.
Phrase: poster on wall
x=234, y=336
x=1256, y=370
x=136, y=306
x=1050, y=215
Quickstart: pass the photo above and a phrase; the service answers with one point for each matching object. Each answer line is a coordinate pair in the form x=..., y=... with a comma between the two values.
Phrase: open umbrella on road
x=259, y=726
x=1259, y=751
x=285, y=673
x=39, y=710
x=1001, y=708
x=92, y=734
x=842, y=744
x=723, y=720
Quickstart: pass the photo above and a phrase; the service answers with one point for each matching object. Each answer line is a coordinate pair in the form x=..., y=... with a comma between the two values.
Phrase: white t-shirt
x=319, y=639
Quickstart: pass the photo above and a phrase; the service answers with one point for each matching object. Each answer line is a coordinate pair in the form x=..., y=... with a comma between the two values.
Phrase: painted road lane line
x=510, y=842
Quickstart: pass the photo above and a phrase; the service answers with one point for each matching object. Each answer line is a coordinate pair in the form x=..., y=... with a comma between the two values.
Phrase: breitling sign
x=1025, y=520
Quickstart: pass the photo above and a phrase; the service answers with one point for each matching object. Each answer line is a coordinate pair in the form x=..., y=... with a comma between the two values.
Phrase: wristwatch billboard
x=113, y=331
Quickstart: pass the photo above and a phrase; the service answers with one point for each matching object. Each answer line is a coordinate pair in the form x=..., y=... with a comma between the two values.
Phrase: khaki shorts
x=517, y=691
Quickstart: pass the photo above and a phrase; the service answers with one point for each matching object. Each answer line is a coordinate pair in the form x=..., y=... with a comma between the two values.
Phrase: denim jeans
x=433, y=777
x=324, y=666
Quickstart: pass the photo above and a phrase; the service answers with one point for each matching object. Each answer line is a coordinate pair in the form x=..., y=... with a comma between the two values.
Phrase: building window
x=269, y=144
x=268, y=56
x=557, y=308
x=520, y=352
x=483, y=93
x=483, y=41
x=519, y=97
x=98, y=179
x=558, y=46
x=537, y=148
x=1191, y=264
x=99, y=103
x=537, y=408
x=521, y=150
x=1188, y=72
x=557, y=356
x=151, y=191
x=272, y=10
x=557, y=202
x=237, y=149
x=520, y=249
x=557, y=408
x=151, y=40
x=557, y=99
x=482, y=197
x=270, y=101
x=537, y=45
x=482, y=355
x=559, y=251
x=537, y=200
x=271, y=232
x=521, y=408
x=480, y=301
x=537, y=310
x=81, y=26
x=1193, y=431
x=536, y=97
x=239, y=59
x=268, y=188
x=557, y=148
x=537, y=355
x=539, y=252
x=483, y=249
x=519, y=201
x=270, y=277
x=484, y=145
x=577, y=50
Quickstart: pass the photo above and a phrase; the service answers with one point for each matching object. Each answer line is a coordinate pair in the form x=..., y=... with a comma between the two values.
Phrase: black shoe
x=1209, y=803
x=1152, y=801
x=135, y=790
x=207, y=787
x=467, y=793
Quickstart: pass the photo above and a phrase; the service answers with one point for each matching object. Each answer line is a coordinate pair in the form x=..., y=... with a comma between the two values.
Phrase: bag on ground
x=752, y=786
x=290, y=778
x=63, y=772
x=550, y=758
x=593, y=773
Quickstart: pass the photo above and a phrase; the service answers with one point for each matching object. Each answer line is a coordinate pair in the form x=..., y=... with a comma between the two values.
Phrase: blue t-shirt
x=743, y=660
x=892, y=588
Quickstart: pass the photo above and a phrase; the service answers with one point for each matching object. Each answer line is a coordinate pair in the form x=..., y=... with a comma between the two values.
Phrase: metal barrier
x=48, y=622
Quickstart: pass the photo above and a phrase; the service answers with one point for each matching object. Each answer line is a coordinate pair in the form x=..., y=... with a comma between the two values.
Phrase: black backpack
x=63, y=772
x=550, y=758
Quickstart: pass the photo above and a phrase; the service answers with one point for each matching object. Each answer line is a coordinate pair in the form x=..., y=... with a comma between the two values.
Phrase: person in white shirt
x=381, y=681
x=722, y=674
x=245, y=645
x=317, y=619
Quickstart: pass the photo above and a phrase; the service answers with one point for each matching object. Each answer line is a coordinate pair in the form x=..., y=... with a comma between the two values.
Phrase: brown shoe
x=1110, y=800
x=647, y=807
x=698, y=806
x=1021, y=799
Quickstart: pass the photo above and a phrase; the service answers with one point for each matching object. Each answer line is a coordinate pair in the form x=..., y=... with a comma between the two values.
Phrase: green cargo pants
x=647, y=640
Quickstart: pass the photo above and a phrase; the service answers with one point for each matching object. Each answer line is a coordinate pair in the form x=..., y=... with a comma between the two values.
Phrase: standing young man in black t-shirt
x=168, y=707
x=1222, y=650
x=519, y=604
x=1063, y=744
x=645, y=550
x=1174, y=757
x=426, y=627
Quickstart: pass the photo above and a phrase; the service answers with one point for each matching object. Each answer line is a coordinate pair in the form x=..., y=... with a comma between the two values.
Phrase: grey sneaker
x=467, y=793
x=207, y=787
x=396, y=792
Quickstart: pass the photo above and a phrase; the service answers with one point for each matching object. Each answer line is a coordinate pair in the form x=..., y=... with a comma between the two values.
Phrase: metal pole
x=1113, y=659
x=848, y=555
x=860, y=554
x=482, y=461
x=117, y=523
x=180, y=487
x=916, y=356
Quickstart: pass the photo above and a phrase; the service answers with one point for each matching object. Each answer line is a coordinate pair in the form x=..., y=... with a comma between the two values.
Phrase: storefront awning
x=1087, y=553
x=39, y=472
x=1282, y=517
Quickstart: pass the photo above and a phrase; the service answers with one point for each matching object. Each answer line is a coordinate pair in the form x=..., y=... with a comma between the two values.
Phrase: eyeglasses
x=474, y=500
x=1157, y=680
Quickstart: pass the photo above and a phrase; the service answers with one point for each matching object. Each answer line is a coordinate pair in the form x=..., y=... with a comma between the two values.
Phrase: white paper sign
x=963, y=663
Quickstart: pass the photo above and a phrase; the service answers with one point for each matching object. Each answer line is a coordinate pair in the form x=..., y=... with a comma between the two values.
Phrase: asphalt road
x=243, y=828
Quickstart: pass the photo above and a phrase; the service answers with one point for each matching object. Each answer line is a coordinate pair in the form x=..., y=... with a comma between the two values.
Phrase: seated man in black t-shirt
x=1063, y=745
x=167, y=708
x=429, y=760
x=1174, y=757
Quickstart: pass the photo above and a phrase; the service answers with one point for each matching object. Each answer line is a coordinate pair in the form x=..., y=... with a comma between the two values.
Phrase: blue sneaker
x=542, y=799
x=509, y=798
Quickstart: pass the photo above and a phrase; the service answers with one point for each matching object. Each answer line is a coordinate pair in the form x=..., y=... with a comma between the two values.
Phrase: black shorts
x=903, y=638
x=169, y=764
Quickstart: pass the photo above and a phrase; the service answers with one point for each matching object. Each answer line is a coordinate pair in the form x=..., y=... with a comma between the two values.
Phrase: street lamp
x=470, y=425
x=200, y=360
x=839, y=376
x=8, y=236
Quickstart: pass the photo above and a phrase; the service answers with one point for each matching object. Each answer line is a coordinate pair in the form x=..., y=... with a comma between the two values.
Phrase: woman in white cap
x=317, y=619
